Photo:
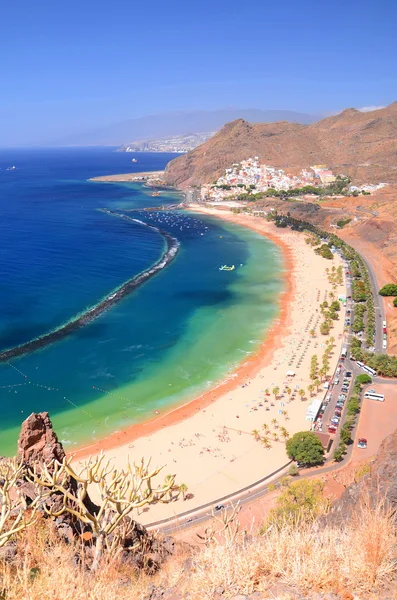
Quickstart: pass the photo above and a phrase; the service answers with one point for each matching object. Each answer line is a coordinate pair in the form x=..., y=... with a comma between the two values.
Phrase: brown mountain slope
x=363, y=145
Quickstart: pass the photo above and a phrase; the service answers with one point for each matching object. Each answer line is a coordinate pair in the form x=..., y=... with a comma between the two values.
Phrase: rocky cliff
x=363, y=145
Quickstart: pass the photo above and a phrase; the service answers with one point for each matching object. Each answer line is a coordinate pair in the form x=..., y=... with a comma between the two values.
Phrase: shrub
x=293, y=470
x=301, y=501
x=345, y=436
x=342, y=222
x=395, y=302
x=364, y=378
x=390, y=289
x=340, y=452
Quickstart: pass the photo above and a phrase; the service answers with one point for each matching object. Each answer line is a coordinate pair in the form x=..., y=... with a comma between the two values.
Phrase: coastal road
x=379, y=307
x=378, y=303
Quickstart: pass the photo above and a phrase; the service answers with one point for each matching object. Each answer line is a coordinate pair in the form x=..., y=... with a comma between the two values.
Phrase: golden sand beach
x=208, y=443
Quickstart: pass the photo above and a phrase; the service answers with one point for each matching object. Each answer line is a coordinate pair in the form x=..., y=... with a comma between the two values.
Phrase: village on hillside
x=250, y=178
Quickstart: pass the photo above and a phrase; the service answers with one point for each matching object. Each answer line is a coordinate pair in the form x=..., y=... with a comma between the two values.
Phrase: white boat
x=134, y=160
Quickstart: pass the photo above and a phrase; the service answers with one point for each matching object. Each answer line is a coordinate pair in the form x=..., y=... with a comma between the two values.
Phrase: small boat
x=11, y=168
x=134, y=160
x=226, y=268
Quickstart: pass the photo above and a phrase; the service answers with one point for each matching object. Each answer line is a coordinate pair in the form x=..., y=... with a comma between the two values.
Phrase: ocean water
x=170, y=339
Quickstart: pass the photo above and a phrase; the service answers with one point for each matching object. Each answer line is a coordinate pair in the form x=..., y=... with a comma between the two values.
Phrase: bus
x=372, y=396
x=370, y=371
x=360, y=364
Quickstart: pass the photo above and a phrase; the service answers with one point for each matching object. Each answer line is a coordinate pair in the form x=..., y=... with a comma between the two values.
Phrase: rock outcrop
x=38, y=441
x=38, y=444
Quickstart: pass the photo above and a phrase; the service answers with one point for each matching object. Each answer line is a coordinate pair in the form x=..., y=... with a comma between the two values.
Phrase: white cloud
x=369, y=108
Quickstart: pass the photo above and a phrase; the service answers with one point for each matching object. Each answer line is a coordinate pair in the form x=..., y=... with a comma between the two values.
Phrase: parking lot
x=377, y=420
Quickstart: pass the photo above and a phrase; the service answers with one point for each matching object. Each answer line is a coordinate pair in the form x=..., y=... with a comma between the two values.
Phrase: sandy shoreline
x=246, y=369
x=208, y=441
x=129, y=177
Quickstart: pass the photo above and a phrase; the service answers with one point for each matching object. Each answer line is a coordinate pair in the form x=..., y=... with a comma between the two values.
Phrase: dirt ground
x=377, y=420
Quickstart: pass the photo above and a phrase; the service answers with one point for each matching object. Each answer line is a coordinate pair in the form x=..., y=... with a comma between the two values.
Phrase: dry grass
x=358, y=558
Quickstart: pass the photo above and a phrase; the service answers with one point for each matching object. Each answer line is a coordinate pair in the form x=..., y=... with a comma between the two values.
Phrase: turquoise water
x=169, y=340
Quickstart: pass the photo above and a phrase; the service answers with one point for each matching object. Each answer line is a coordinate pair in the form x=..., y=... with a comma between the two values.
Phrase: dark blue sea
x=165, y=342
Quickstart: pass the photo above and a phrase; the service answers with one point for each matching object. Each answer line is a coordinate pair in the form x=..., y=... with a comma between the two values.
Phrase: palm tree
x=313, y=332
x=289, y=392
x=317, y=383
x=301, y=393
x=267, y=392
x=274, y=423
x=285, y=415
x=183, y=488
x=275, y=436
x=310, y=388
x=275, y=391
x=255, y=434
x=265, y=442
x=284, y=433
x=265, y=427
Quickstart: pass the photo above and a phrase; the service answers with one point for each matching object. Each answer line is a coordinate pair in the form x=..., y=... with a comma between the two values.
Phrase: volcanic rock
x=38, y=443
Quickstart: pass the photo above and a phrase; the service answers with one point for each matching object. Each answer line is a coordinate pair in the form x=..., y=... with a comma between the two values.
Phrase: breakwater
x=171, y=248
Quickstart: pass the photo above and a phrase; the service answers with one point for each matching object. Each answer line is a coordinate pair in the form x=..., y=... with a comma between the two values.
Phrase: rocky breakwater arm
x=171, y=248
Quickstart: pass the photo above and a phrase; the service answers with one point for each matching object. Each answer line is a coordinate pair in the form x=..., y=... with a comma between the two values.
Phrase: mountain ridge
x=174, y=123
x=346, y=142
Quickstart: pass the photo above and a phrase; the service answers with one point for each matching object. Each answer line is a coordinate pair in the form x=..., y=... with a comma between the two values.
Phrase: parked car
x=335, y=420
x=342, y=397
x=219, y=507
x=362, y=443
x=348, y=374
x=336, y=381
x=332, y=429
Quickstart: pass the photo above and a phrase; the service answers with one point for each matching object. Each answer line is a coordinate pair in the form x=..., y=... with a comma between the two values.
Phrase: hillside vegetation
x=304, y=548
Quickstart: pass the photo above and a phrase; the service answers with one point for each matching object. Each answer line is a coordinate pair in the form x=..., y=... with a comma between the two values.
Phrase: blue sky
x=69, y=66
